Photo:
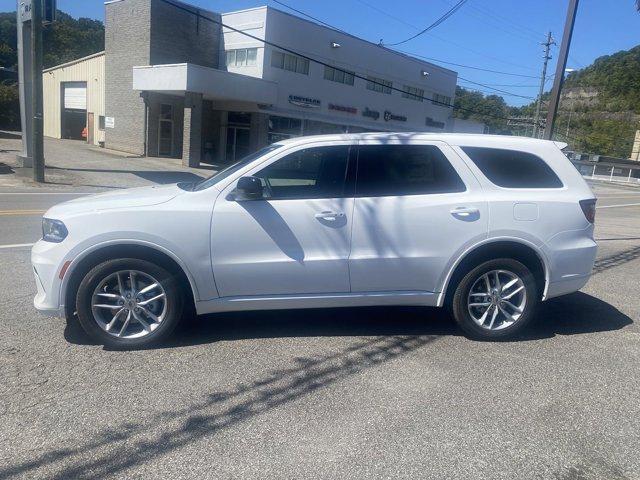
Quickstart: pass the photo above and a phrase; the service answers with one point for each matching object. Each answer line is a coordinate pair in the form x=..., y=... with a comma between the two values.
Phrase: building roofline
x=73, y=62
x=342, y=32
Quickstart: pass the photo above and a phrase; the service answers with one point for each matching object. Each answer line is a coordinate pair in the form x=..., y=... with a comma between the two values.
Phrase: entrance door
x=165, y=131
x=238, y=145
x=90, y=121
x=294, y=240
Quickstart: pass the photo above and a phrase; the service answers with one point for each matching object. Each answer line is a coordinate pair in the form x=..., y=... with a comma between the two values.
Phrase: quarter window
x=391, y=170
x=242, y=57
x=512, y=168
x=379, y=85
x=318, y=172
x=292, y=63
x=338, y=75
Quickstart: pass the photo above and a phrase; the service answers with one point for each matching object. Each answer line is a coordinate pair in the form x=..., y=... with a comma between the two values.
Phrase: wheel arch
x=526, y=252
x=128, y=249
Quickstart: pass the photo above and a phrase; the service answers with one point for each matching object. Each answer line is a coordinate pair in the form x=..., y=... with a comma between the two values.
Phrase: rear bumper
x=572, y=255
x=568, y=285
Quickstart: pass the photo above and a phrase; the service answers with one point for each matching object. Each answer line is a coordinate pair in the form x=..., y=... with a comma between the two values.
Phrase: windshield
x=224, y=173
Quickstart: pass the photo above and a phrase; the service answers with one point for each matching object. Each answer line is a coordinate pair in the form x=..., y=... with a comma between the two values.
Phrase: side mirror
x=249, y=188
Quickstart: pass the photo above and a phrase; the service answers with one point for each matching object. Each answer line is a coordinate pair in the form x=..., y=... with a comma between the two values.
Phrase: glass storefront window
x=281, y=128
x=239, y=118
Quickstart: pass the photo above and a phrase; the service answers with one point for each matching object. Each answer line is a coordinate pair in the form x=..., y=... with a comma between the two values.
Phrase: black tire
x=173, y=297
x=460, y=307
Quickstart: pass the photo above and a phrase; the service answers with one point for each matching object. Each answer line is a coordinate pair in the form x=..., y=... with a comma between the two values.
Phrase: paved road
x=356, y=393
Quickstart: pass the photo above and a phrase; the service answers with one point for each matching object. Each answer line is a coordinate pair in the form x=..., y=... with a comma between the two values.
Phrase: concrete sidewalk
x=71, y=163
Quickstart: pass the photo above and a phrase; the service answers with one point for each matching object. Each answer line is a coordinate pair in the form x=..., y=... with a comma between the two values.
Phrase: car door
x=294, y=240
x=416, y=207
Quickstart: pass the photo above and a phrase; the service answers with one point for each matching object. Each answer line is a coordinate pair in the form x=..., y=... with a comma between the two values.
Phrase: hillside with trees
x=600, y=105
x=67, y=39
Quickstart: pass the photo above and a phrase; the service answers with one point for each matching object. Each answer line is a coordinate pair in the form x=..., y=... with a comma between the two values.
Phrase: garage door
x=75, y=95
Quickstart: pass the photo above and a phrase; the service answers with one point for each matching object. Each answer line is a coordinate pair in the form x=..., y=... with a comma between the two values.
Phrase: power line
x=445, y=40
x=462, y=65
x=513, y=31
x=439, y=21
x=492, y=13
x=320, y=62
x=309, y=16
x=496, y=89
x=402, y=51
x=391, y=50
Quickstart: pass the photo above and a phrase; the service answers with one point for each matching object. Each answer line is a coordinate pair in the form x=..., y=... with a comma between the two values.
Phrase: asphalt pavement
x=349, y=393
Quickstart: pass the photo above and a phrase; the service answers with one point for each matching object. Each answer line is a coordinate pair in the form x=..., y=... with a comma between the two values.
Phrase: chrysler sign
x=305, y=102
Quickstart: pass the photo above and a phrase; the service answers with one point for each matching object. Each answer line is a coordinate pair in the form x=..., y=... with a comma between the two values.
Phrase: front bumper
x=47, y=259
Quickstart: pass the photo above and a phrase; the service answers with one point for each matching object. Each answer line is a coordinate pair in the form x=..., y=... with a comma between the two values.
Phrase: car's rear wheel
x=128, y=303
x=495, y=300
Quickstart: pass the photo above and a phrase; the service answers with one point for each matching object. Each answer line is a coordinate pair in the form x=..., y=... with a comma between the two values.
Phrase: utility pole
x=37, y=142
x=543, y=80
x=560, y=67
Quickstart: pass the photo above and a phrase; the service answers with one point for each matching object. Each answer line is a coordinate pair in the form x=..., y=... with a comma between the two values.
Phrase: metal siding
x=91, y=71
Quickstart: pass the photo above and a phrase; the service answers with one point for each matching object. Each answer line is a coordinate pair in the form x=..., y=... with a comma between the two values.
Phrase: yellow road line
x=21, y=212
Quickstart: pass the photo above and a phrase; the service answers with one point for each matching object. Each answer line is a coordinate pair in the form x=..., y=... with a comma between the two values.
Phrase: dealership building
x=178, y=81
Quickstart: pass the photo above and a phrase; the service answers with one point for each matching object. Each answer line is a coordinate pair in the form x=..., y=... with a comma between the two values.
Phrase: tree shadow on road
x=112, y=451
x=379, y=335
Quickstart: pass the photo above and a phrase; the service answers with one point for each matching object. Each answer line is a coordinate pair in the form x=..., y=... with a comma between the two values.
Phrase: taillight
x=589, y=209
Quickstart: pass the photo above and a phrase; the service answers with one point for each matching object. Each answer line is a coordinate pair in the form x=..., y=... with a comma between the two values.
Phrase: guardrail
x=608, y=171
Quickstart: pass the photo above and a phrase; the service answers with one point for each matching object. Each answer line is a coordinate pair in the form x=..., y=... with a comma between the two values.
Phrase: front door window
x=238, y=145
x=165, y=131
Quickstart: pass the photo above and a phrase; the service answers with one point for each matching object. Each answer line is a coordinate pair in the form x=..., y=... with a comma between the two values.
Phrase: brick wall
x=150, y=32
x=127, y=44
x=180, y=36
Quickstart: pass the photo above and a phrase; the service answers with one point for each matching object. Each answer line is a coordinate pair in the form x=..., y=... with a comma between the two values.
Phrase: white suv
x=486, y=225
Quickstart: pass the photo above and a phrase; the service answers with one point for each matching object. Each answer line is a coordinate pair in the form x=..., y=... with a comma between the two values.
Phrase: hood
x=129, y=198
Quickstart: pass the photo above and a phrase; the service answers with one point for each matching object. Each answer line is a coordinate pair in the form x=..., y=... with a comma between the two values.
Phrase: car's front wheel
x=495, y=300
x=128, y=303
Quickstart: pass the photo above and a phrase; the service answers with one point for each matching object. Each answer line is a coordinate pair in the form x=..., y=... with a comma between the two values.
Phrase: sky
x=501, y=35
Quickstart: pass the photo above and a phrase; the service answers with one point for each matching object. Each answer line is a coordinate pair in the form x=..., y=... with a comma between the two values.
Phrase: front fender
x=82, y=251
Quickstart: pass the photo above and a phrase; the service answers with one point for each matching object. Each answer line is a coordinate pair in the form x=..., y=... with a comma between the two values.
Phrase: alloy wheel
x=129, y=304
x=497, y=299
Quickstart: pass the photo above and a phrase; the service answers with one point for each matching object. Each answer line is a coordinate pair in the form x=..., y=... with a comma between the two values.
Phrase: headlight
x=53, y=230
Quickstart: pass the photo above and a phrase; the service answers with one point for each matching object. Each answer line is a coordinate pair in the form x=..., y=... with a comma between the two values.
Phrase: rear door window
x=392, y=170
x=513, y=168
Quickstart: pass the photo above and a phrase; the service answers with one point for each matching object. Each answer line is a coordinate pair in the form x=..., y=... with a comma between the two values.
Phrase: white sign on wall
x=24, y=11
x=109, y=122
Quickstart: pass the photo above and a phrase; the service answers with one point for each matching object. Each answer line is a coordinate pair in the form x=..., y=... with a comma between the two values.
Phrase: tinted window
x=404, y=170
x=318, y=172
x=513, y=169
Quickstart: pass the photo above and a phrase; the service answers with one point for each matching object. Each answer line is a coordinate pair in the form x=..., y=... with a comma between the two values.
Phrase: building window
x=379, y=85
x=101, y=122
x=242, y=57
x=292, y=63
x=340, y=76
x=413, y=93
x=281, y=128
x=441, y=100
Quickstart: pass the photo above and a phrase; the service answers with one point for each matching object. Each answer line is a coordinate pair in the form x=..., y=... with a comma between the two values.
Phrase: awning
x=213, y=84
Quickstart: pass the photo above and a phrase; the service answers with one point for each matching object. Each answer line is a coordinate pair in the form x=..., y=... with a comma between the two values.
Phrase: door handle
x=464, y=212
x=329, y=215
